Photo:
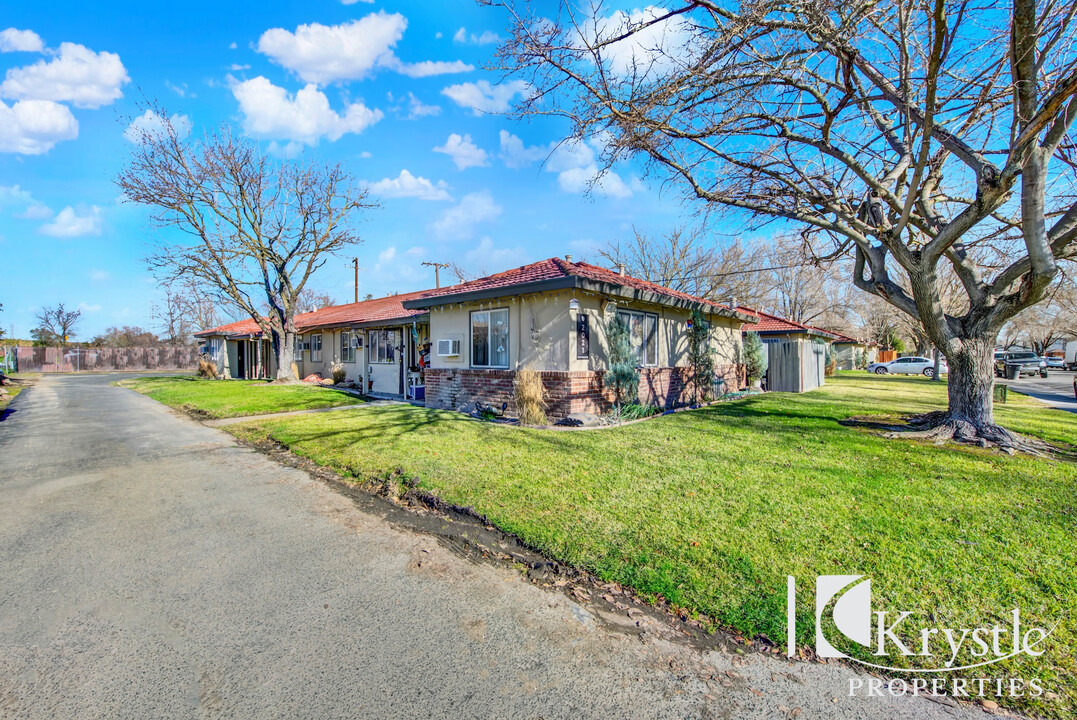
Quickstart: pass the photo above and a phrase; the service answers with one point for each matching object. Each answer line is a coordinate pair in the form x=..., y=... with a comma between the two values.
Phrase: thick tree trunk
x=284, y=350
x=971, y=383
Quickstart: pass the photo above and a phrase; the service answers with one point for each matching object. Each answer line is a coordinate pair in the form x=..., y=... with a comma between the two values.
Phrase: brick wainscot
x=567, y=392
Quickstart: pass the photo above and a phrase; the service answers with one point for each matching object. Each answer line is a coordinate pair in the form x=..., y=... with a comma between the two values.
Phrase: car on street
x=908, y=366
x=1015, y=363
x=1054, y=362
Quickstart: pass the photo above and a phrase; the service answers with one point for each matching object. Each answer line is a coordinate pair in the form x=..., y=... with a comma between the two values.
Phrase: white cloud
x=70, y=223
x=87, y=307
x=14, y=198
x=365, y=154
x=12, y=40
x=485, y=38
x=326, y=53
x=352, y=2
x=32, y=127
x=416, y=108
x=482, y=97
x=78, y=75
x=461, y=220
x=487, y=255
x=577, y=170
x=236, y=67
x=655, y=49
x=270, y=112
x=151, y=124
x=100, y=275
x=180, y=89
x=427, y=68
x=407, y=185
x=232, y=46
x=463, y=152
x=515, y=155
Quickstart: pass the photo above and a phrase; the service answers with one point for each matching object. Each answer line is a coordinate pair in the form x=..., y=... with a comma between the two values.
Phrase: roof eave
x=648, y=296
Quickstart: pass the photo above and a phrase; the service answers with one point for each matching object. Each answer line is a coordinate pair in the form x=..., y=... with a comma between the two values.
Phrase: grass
x=712, y=509
x=236, y=398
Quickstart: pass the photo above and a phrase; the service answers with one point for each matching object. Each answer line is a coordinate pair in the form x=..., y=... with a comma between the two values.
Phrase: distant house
x=846, y=349
x=796, y=356
x=772, y=328
x=458, y=345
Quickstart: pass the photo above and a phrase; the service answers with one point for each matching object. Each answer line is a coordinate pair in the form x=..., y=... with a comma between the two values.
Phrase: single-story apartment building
x=846, y=349
x=551, y=316
x=380, y=344
x=455, y=346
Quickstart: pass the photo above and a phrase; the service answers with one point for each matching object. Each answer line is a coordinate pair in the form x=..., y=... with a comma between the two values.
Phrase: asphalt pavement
x=152, y=567
x=1056, y=389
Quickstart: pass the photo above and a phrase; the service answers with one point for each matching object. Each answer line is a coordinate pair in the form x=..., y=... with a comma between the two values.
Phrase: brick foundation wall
x=567, y=392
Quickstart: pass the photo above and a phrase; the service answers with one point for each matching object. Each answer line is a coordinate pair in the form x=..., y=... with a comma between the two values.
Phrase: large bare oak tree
x=909, y=135
x=255, y=228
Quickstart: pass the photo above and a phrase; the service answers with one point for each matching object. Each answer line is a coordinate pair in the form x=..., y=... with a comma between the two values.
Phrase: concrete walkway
x=150, y=567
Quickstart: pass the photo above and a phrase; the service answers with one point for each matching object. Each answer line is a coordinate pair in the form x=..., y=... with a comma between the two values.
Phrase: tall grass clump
x=530, y=397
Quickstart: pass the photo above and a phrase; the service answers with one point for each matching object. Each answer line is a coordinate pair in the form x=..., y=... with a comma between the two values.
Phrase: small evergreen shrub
x=755, y=357
x=622, y=376
x=701, y=356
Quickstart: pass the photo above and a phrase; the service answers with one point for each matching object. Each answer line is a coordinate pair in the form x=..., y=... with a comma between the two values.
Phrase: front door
x=241, y=359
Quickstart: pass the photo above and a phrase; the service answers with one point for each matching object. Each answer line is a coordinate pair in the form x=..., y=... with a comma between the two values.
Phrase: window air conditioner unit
x=448, y=348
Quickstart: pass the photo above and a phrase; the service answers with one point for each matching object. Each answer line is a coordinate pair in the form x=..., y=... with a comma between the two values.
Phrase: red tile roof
x=367, y=311
x=773, y=324
x=556, y=268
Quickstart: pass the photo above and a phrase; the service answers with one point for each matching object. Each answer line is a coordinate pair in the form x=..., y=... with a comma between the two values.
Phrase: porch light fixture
x=573, y=304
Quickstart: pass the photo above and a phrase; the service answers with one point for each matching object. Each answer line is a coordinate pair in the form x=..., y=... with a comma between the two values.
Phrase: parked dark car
x=1019, y=362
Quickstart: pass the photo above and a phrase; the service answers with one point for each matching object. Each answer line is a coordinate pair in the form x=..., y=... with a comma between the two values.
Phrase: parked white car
x=908, y=366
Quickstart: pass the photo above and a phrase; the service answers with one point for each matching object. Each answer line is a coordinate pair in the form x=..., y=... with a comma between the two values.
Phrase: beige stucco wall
x=542, y=332
x=386, y=376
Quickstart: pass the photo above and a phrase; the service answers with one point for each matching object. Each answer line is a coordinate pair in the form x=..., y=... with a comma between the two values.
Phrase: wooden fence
x=54, y=359
x=795, y=365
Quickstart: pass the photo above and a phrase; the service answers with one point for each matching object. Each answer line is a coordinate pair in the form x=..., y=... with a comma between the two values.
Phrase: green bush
x=701, y=355
x=755, y=357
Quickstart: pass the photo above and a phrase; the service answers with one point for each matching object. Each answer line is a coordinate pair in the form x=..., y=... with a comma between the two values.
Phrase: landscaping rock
x=585, y=419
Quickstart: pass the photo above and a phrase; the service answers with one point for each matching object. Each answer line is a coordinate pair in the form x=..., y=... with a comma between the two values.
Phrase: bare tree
x=173, y=315
x=689, y=260
x=311, y=300
x=256, y=229
x=911, y=135
x=1041, y=326
x=56, y=325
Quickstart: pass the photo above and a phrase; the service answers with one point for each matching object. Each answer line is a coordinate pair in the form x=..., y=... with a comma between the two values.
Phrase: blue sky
x=395, y=91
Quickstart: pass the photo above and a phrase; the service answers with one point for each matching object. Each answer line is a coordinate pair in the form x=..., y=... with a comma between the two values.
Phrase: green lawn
x=712, y=509
x=235, y=398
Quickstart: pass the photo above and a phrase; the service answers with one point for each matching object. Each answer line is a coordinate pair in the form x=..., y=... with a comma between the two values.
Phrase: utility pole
x=437, y=266
x=355, y=264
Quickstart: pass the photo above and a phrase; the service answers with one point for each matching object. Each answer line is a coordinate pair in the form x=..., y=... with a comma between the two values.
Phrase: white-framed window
x=347, y=352
x=215, y=350
x=315, y=348
x=643, y=331
x=382, y=346
x=297, y=347
x=490, y=338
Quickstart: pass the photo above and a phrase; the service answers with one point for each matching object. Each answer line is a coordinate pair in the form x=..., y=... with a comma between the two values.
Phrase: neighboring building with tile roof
x=774, y=328
x=464, y=343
